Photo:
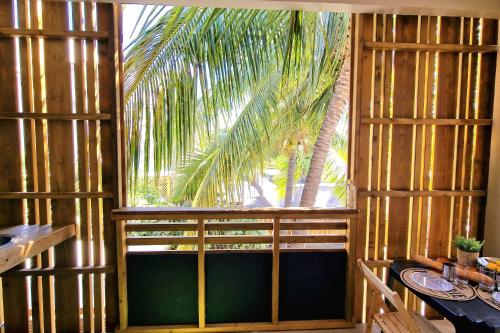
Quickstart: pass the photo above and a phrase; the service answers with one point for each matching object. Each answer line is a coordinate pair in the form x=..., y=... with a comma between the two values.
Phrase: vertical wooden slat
x=492, y=227
x=81, y=13
x=96, y=212
x=455, y=140
x=362, y=68
x=385, y=139
x=351, y=269
x=30, y=61
x=109, y=170
x=426, y=152
x=27, y=62
x=465, y=142
x=276, y=271
x=45, y=284
x=402, y=142
x=484, y=138
x=402, y=136
x=201, y=273
x=62, y=170
x=444, y=137
x=11, y=212
x=121, y=268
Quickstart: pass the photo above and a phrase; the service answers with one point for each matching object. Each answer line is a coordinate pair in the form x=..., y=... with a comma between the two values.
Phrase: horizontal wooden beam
x=228, y=226
x=427, y=121
x=167, y=240
x=158, y=213
x=212, y=226
x=54, y=195
x=398, y=46
x=313, y=239
x=43, y=33
x=85, y=270
x=245, y=239
x=284, y=248
x=224, y=226
x=313, y=225
x=242, y=327
x=55, y=116
x=433, y=193
x=151, y=227
x=467, y=8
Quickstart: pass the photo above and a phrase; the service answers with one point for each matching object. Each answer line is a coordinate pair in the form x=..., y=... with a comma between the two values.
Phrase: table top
x=30, y=240
x=468, y=316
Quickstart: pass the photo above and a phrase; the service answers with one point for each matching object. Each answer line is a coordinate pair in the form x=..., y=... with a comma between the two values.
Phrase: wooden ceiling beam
x=478, y=8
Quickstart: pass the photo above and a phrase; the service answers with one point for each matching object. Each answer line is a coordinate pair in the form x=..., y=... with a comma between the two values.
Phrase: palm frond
x=216, y=175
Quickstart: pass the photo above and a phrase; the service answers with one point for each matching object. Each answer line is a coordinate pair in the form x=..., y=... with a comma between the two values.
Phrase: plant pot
x=467, y=259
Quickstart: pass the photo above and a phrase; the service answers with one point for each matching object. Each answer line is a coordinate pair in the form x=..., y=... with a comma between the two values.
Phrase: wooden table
x=472, y=316
x=31, y=240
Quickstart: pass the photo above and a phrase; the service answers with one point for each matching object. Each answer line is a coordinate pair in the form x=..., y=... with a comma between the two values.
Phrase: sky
x=130, y=15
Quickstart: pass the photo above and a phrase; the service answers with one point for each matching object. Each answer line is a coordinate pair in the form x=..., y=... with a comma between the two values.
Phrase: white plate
x=431, y=281
x=496, y=296
x=483, y=261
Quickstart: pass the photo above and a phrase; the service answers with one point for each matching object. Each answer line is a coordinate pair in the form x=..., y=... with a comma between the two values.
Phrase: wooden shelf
x=31, y=240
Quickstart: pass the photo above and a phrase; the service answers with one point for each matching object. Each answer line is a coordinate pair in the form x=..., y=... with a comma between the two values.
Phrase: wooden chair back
x=380, y=289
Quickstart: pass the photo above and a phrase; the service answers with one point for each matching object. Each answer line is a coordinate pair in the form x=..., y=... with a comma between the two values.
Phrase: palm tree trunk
x=262, y=198
x=290, y=179
x=336, y=108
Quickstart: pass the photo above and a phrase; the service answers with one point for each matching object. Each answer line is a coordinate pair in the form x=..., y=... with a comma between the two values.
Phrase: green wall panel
x=312, y=285
x=238, y=287
x=162, y=289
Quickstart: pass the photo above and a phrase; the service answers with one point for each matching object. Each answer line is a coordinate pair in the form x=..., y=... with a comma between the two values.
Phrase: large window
x=236, y=107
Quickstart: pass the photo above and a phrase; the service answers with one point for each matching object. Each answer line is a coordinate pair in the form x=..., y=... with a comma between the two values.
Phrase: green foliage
x=280, y=163
x=151, y=192
x=468, y=244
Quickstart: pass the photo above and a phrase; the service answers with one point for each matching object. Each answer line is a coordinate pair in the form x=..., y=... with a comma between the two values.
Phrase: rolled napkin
x=468, y=274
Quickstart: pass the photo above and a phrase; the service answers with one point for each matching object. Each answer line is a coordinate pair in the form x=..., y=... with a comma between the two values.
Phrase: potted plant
x=467, y=250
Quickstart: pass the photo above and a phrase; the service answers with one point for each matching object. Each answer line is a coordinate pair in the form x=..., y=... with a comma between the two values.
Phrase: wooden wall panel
x=63, y=159
x=421, y=155
x=11, y=213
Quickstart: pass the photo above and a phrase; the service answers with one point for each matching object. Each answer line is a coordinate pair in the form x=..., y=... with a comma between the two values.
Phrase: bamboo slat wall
x=422, y=115
x=58, y=104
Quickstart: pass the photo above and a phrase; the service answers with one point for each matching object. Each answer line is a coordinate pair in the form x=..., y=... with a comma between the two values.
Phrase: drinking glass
x=460, y=278
x=485, y=283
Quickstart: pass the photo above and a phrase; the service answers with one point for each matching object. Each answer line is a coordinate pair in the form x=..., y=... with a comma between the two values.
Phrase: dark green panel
x=162, y=289
x=312, y=285
x=238, y=287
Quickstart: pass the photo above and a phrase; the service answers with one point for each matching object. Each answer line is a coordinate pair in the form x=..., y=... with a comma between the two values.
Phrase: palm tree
x=214, y=93
x=336, y=109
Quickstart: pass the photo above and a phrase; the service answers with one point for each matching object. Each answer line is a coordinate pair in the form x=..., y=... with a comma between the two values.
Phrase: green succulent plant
x=468, y=244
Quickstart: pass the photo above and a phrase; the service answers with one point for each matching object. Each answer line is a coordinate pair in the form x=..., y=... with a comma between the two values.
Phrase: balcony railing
x=268, y=230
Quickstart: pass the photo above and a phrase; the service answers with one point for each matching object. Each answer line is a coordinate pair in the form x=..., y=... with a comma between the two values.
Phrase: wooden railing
x=279, y=230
